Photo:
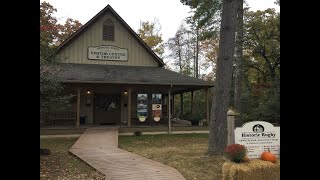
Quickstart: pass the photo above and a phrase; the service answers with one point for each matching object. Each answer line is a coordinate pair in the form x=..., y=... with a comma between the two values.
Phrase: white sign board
x=257, y=137
x=111, y=53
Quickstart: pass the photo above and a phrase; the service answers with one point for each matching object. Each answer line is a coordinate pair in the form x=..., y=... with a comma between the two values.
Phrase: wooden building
x=116, y=77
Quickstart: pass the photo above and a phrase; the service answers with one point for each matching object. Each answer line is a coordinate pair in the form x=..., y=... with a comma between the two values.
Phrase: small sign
x=257, y=137
x=142, y=105
x=156, y=106
x=156, y=113
x=111, y=53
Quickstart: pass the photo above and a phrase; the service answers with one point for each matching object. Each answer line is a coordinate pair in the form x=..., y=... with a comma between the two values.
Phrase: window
x=108, y=30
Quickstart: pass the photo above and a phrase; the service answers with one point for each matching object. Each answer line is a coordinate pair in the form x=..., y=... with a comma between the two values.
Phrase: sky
x=169, y=13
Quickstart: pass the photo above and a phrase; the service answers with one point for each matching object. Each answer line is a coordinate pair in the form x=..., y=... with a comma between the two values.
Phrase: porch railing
x=51, y=118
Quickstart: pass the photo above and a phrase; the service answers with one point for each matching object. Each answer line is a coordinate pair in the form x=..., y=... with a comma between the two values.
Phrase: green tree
x=182, y=50
x=195, y=42
x=207, y=14
x=69, y=27
x=149, y=32
x=48, y=29
x=262, y=64
x=262, y=42
x=175, y=45
x=204, y=22
x=218, y=119
x=51, y=88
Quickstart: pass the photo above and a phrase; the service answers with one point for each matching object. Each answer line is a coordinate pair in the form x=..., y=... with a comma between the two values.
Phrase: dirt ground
x=61, y=164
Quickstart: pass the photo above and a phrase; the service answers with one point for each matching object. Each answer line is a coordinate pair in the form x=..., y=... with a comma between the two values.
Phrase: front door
x=107, y=109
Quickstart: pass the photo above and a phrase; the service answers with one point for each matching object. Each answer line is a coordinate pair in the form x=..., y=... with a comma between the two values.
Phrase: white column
x=129, y=107
x=230, y=126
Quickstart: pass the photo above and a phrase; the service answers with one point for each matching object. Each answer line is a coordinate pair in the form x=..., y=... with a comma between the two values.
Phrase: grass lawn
x=61, y=164
x=181, y=151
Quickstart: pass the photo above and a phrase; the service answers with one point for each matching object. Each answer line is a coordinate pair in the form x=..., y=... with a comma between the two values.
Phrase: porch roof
x=116, y=74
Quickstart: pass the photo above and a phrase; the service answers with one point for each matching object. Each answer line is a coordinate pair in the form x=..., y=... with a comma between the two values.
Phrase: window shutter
x=108, y=30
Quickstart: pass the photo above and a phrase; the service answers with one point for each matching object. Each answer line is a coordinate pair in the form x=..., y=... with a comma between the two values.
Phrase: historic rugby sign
x=258, y=136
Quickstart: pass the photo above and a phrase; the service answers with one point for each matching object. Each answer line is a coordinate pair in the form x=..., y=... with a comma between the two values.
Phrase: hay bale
x=253, y=170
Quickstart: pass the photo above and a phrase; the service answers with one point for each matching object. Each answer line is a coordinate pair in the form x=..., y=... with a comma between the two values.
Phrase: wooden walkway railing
x=61, y=116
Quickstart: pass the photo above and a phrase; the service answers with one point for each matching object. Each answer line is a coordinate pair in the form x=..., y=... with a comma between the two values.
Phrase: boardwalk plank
x=99, y=148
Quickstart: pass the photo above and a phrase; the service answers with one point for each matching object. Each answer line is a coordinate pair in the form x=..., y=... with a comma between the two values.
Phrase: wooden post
x=207, y=105
x=129, y=107
x=78, y=107
x=169, y=112
x=181, y=104
x=230, y=126
x=192, y=102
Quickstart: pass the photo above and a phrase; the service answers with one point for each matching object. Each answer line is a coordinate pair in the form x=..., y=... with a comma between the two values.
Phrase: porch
x=111, y=95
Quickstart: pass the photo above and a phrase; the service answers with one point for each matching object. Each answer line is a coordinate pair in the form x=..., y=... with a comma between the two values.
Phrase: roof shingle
x=96, y=73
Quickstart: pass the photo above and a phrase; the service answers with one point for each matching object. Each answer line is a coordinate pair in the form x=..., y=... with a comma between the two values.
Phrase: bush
x=137, y=133
x=235, y=152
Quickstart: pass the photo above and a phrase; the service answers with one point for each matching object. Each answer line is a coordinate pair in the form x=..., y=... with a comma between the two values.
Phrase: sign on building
x=110, y=53
x=156, y=106
x=259, y=136
x=142, y=106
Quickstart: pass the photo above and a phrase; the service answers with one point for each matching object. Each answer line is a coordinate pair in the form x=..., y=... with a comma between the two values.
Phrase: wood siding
x=77, y=50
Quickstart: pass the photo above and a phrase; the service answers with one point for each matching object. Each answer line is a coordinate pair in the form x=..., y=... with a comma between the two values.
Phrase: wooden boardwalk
x=99, y=148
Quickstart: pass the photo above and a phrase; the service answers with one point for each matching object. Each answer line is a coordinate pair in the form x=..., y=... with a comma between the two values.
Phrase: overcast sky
x=170, y=13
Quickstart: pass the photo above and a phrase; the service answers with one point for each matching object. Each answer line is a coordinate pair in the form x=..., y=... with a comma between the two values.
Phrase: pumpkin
x=268, y=156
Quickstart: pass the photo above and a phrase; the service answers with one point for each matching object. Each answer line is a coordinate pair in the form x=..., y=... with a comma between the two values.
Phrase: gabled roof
x=113, y=74
x=108, y=8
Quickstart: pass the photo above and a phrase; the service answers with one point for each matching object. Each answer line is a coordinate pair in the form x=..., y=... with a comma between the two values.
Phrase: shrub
x=235, y=152
x=137, y=133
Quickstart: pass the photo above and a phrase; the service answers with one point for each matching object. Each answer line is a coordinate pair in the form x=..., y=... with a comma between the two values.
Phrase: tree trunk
x=179, y=54
x=247, y=84
x=197, y=54
x=239, y=65
x=218, y=124
x=188, y=55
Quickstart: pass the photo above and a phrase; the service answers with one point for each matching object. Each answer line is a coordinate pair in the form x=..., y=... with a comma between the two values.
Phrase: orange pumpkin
x=268, y=156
